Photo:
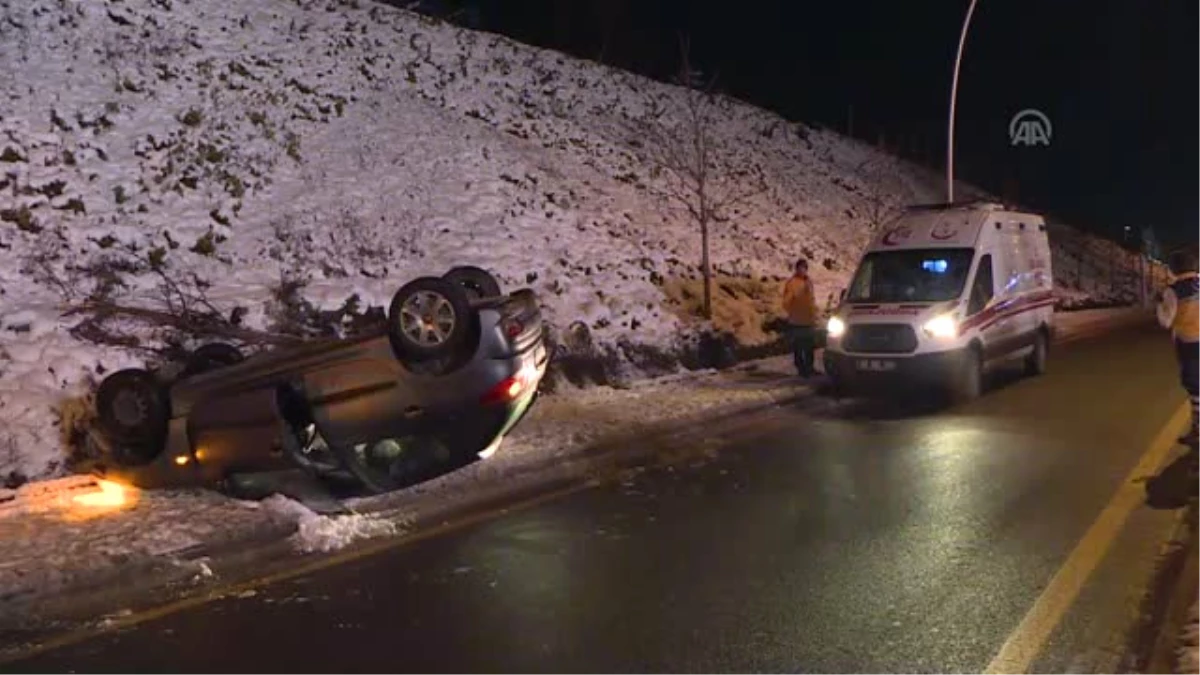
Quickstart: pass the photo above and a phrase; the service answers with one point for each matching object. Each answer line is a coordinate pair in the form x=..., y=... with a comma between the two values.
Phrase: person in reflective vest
x=1179, y=310
x=800, y=307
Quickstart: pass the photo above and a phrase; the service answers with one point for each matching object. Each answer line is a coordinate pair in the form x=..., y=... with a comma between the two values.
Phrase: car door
x=981, y=310
x=1005, y=328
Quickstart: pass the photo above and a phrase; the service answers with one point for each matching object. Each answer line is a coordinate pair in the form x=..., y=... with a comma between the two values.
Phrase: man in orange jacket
x=801, y=309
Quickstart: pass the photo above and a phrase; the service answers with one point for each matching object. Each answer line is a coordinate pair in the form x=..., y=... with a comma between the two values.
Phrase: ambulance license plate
x=876, y=365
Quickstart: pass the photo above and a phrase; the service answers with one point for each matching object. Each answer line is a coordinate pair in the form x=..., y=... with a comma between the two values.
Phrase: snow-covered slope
x=355, y=146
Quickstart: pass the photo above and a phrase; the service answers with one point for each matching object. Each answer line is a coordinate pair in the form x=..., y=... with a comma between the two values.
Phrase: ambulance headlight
x=943, y=327
x=835, y=328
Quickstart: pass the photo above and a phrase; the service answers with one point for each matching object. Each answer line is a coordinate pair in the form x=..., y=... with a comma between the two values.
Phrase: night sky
x=1117, y=78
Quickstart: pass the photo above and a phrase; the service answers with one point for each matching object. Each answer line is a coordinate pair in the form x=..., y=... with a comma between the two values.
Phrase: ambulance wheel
x=1035, y=363
x=968, y=381
x=835, y=385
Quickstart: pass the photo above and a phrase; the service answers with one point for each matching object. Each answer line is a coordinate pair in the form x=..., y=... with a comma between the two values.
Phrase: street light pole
x=962, y=39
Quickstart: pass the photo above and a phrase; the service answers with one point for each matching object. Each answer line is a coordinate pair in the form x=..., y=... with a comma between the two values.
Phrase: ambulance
x=942, y=295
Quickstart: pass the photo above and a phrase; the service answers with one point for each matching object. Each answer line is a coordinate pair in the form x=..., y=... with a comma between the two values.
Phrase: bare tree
x=698, y=177
x=882, y=205
x=606, y=16
x=882, y=208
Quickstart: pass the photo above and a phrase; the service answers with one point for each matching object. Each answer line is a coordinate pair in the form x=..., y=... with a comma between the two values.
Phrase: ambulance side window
x=982, y=289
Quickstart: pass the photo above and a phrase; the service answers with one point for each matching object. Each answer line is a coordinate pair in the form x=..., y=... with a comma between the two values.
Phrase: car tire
x=212, y=356
x=133, y=410
x=479, y=283
x=429, y=318
x=968, y=382
x=1035, y=363
x=835, y=385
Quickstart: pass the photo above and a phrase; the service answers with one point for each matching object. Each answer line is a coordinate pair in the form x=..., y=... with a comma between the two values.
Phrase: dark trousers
x=803, y=341
x=1188, y=355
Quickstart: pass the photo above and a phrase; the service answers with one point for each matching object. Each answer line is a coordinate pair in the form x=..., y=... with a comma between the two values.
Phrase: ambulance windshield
x=933, y=275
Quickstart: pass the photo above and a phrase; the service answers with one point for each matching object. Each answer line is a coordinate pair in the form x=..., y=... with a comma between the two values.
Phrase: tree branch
x=102, y=310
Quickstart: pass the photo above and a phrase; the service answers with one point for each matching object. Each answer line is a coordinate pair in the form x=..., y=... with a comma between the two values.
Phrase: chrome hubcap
x=427, y=318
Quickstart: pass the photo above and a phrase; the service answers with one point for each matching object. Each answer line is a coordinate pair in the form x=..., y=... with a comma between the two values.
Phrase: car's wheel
x=396, y=463
x=968, y=381
x=1035, y=363
x=429, y=318
x=133, y=410
x=479, y=283
x=212, y=356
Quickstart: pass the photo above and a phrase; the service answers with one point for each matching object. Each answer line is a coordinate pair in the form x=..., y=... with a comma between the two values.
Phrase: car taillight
x=511, y=388
x=505, y=392
x=512, y=328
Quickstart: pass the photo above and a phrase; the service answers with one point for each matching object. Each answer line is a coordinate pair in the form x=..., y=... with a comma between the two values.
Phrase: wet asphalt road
x=865, y=540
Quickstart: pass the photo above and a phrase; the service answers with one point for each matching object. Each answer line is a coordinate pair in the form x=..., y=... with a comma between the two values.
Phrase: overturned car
x=456, y=366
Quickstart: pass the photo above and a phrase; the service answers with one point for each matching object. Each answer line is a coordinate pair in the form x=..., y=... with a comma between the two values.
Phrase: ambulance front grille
x=880, y=338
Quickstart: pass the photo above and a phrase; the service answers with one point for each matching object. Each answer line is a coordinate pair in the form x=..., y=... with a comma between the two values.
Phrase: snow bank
x=355, y=146
x=56, y=541
x=317, y=533
x=60, y=542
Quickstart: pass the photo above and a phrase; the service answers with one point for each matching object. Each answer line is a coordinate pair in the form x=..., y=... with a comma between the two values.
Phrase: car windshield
x=934, y=275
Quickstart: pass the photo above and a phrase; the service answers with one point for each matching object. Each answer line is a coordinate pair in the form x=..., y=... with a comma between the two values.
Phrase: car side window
x=982, y=289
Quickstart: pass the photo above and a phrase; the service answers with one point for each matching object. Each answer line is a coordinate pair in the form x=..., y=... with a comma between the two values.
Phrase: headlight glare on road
x=835, y=328
x=942, y=327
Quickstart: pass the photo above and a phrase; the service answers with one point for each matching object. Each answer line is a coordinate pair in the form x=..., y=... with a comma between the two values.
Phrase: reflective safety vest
x=1179, y=308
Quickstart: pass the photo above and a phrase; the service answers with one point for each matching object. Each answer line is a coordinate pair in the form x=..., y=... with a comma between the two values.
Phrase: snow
x=64, y=544
x=357, y=146
x=317, y=533
x=60, y=543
